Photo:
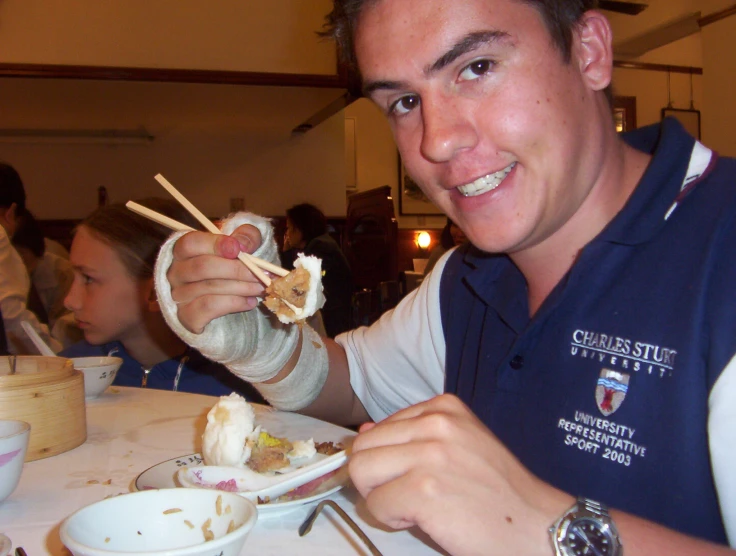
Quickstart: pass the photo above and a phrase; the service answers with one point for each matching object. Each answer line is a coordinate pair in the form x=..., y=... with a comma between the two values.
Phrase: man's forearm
x=336, y=402
x=639, y=536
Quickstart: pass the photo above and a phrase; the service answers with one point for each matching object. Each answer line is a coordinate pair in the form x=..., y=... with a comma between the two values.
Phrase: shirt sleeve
x=722, y=442
x=400, y=360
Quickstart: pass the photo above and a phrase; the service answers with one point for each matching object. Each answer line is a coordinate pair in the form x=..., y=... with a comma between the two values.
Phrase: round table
x=131, y=429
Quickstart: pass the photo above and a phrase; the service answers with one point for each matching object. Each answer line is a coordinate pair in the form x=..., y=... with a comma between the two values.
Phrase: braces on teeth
x=486, y=183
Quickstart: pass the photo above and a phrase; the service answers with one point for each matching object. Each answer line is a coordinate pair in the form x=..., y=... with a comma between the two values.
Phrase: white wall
x=719, y=73
x=377, y=159
x=253, y=35
x=650, y=90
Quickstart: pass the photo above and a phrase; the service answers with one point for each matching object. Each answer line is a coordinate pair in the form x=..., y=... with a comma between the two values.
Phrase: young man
x=14, y=281
x=588, y=335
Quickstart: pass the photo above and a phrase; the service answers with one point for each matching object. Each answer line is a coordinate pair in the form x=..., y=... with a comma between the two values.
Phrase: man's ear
x=593, y=50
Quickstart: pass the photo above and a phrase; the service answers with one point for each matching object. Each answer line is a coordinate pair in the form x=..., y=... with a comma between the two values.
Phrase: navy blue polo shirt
x=604, y=392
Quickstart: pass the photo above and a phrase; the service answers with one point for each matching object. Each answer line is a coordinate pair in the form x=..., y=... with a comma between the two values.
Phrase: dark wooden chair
x=370, y=243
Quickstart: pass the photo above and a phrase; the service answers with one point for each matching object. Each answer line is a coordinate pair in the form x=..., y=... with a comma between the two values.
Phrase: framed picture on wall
x=690, y=119
x=412, y=201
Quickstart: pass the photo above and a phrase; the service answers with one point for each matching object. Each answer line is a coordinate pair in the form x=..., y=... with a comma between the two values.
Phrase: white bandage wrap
x=253, y=344
x=306, y=381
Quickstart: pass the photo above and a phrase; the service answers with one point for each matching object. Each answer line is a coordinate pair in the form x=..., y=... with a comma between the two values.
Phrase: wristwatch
x=586, y=529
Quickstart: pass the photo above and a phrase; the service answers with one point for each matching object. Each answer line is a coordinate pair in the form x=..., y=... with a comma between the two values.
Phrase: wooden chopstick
x=246, y=258
x=202, y=219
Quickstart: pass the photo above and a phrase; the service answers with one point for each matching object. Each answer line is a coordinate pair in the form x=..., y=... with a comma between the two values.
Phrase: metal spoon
x=254, y=485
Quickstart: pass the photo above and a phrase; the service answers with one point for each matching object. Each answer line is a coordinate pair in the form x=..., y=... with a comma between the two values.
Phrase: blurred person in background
x=51, y=275
x=114, y=302
x=15, y=283
x=451, y=236
x=306, y=232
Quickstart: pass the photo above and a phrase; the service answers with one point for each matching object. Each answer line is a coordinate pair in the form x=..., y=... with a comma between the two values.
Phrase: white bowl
x=171, y=522
x=99, y=372
x=13, y=445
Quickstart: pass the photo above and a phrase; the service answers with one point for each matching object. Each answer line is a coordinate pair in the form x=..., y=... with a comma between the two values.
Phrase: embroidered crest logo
x=611, y=390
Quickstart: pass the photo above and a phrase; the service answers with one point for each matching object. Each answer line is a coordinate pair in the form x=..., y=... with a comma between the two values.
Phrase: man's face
x=489, y=119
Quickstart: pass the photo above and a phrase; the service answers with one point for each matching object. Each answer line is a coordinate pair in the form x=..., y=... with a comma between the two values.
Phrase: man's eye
x=404, y=105
x=86, y=279
x=476, y=69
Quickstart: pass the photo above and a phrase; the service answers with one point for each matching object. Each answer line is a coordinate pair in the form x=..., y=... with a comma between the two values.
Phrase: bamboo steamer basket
x=48, y=393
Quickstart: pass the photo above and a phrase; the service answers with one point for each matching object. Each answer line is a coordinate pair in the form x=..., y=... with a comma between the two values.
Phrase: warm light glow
x=423, y=240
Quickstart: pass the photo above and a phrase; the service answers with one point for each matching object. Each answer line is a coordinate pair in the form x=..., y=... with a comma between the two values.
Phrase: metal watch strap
x=583, y=506
x=592, y=506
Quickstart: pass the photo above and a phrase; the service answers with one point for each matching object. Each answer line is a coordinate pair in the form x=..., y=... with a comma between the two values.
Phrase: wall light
x=423, y=240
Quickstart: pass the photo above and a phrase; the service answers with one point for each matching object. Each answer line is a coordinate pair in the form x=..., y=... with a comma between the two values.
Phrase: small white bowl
x=172, y=521
x=99, y=372
x=13, y=445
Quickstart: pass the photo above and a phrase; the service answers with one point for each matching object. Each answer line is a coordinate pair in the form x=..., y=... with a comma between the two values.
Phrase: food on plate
x=230, y=423
x=233, y=439
x=298, y=295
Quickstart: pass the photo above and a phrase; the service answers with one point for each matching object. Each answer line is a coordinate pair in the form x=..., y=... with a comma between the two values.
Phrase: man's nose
x=446, y=130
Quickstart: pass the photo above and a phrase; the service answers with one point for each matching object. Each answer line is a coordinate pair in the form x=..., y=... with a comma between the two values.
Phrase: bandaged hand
x=203, y=274
x=211, y=301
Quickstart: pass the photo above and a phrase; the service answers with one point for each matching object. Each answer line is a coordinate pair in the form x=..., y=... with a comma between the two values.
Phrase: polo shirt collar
x=644, y=214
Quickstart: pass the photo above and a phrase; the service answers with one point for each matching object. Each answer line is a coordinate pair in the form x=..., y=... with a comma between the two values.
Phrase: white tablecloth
x=132, y=429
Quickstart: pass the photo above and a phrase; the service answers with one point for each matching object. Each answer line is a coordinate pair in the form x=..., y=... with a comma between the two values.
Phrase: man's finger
x=186, y=293
x=196, y=315
x=208, y=267
x=194, y=244
x=248, y=237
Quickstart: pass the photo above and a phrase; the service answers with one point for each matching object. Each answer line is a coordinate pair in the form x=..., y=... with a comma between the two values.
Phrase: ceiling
x=661, y=23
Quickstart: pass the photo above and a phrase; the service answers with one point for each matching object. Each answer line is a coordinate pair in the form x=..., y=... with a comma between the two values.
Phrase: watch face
x=590, y=537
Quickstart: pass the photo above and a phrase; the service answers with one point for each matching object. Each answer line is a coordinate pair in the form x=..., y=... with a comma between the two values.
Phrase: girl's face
x=107, y=302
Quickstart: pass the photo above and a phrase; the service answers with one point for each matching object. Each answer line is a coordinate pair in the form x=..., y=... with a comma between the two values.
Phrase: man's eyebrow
x=373, y=86
x=467, y=44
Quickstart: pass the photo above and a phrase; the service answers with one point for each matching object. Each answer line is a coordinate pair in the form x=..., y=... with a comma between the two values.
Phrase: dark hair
x=446, y=239
x=310, y=221
x=560, y=17
x=136, y=239
x=11, y=189
x=28, y=234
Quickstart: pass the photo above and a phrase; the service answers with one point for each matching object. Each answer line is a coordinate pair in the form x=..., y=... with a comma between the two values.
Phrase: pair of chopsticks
x=254, y=264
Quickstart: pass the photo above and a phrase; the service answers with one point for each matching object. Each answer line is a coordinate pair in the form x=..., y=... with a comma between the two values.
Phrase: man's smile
x=485, y=183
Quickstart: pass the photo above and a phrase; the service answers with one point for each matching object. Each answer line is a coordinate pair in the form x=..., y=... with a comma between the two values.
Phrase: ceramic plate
x=281, y=424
